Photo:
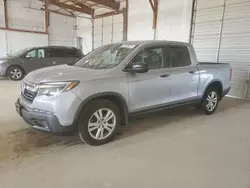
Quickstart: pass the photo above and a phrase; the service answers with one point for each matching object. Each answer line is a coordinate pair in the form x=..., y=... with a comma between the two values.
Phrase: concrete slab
x=176, y=148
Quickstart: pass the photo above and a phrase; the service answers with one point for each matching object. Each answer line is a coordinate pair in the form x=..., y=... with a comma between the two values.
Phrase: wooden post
x=125, y=23
x=5, y=14
x=46, y=18
x=154, y=7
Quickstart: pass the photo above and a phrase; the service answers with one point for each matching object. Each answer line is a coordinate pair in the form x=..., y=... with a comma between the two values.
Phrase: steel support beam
x=108, y=3
x=84, y=9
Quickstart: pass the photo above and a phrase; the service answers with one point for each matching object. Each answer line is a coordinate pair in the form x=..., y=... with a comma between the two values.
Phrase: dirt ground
x=174, y=148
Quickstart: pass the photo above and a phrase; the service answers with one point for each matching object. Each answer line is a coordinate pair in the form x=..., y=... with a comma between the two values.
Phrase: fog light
x=45, y=124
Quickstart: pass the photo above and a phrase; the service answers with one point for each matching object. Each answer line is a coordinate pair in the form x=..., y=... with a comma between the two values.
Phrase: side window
x=32, y=54
x=54, y=52
x=71, y=53
x=178, y=56
x=40, y=53
x=152, y=56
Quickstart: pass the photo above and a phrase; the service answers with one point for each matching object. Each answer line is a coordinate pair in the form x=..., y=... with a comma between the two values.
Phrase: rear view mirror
x=137, y=67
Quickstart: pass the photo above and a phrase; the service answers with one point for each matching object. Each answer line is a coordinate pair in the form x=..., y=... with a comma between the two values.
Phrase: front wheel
x=99, y=123
x=210, y=100
x=15, y=73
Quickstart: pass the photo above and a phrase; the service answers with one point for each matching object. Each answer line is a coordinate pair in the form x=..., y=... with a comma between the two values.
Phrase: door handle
x=54, y=62
x=164, y=75
x=192, y=72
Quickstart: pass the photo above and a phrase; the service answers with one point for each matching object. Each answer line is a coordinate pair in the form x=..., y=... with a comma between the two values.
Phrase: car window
x=32, y=53
x=40, y=53
x=153, y=56
x=178, y=56
x=52, y=52
x=71, y=53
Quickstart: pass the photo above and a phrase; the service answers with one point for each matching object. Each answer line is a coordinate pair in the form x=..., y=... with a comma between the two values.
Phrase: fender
x=209, y=84
x=122, y=105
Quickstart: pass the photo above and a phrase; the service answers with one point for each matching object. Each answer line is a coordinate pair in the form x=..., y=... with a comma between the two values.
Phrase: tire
x=210, y=100
x=15, y=73
x=96, y=130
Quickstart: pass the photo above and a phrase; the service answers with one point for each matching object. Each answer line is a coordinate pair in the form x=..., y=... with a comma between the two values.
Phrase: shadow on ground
x=29, y=141
x=168, y=117
x=25, y=142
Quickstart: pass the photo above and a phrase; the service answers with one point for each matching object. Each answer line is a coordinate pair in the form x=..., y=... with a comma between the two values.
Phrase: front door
x=184, y=76
x=150, y=89
x=34, y=59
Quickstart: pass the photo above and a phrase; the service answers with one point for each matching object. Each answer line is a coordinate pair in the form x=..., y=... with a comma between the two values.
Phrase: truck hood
x=63, y=73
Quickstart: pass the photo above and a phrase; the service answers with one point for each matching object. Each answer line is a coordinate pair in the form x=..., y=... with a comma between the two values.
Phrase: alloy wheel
x=102, y=123
x=15, y=74
x=212, y=100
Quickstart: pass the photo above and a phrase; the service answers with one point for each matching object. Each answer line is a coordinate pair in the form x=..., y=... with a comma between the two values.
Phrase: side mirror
x=137, y=67
x=27, y=56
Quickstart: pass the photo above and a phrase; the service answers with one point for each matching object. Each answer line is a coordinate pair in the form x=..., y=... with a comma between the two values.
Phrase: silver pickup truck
x=116, y=82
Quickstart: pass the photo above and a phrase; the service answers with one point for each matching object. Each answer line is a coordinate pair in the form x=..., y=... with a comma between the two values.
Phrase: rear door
x=55, y=56
x=60, y=56
x=184, y=76
x=151, y=89
x=71, y=55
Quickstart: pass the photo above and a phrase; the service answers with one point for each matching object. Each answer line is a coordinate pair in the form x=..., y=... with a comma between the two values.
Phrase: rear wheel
x=99, y=123
x=15, y=73
x=210, y=100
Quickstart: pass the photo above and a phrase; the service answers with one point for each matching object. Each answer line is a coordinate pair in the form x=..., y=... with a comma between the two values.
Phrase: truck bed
x=216, y=71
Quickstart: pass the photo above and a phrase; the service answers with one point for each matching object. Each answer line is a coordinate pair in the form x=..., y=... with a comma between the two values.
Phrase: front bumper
x=42, y=121
x=226, y=91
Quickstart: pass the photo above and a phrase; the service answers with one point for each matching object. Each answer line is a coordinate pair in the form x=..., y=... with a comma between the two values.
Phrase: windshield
x=20, y=52
x=106, y=57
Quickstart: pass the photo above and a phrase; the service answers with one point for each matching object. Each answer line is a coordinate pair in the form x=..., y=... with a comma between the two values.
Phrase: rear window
x=178, y=56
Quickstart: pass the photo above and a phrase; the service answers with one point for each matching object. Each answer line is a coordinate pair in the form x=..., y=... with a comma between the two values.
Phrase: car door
x=54, y=56
x=33, y=59
x=183, y=75
x=61, y=55
x=151, y=89
x=71, y=55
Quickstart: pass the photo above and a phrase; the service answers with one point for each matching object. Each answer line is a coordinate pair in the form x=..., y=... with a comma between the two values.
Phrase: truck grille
x=29, y=95
x=29, y=91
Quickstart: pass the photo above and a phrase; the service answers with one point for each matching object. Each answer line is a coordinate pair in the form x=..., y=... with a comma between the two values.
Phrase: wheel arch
x=114, y=97
x=214, y=83
x=15, y=66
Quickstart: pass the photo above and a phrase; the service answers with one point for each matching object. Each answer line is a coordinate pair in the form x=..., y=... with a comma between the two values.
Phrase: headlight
x=55, y=88
x=2, y=61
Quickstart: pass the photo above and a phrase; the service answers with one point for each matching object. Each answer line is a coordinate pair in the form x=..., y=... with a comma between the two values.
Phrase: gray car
x=22, y=62
x=119, y=81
